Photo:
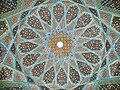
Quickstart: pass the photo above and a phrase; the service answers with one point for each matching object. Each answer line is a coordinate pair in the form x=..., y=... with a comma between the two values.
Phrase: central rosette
x=60, y=44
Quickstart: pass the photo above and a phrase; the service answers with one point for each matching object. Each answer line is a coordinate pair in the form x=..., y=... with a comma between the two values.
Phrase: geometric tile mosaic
x=60, y=45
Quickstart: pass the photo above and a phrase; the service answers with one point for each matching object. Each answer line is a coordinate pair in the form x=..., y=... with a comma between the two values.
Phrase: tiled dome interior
x=60, y=45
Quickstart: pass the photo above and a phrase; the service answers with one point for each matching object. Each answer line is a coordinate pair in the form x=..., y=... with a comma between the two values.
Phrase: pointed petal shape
x=7, y=6
x=45, y=15
x=58, y=11
x=74, y=75
x=34, y=22
x=91, y=57
x=28, y=33
x=61, y=77
x=30, y=59
x=49, y=75
x=71, y=13
x=84, y=20
x=94, y=45
x=84, y=68
x=38, y=69
x=27, y=46
x=91, y=32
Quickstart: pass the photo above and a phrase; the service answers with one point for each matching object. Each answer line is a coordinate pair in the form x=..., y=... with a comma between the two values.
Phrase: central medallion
x=60, y=44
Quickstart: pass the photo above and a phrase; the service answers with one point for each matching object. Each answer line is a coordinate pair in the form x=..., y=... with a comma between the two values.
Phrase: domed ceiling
x=60, y=45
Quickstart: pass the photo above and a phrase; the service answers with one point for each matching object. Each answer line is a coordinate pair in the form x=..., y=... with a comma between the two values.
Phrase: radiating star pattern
x=31, y=54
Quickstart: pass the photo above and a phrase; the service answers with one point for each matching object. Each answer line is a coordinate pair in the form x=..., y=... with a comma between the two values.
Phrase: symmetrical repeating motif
x=60, y=45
